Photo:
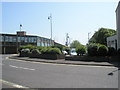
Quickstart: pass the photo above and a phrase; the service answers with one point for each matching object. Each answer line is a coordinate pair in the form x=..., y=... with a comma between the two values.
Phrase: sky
x=75, y=18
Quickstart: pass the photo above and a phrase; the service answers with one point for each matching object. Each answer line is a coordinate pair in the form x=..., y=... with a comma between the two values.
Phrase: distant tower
x=67, y=37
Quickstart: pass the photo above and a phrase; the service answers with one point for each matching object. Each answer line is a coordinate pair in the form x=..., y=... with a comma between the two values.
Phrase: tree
x=101, y=35
x=75, y=44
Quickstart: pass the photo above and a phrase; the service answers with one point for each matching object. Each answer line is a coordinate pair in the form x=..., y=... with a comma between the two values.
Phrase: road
x=16, y=73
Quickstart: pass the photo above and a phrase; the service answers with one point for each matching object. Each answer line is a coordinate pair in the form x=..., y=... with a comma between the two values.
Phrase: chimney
x=21, y=33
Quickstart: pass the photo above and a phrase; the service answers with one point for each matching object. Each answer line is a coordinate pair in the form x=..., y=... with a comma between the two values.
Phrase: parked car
x=64, y=52
x=73, y=52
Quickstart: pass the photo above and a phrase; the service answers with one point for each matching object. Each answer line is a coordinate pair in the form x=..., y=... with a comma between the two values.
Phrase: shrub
x=54, y=51
x=58, y=46
x=102, y=50
x=43, y=50
x=93, y=49
x=81, y=50
x=24, y=52
x=35, y=52
x=118, y=51
x=30, y=47
x=111, y=51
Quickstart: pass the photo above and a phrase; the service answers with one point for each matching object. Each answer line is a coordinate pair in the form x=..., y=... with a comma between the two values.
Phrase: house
x=114, y=41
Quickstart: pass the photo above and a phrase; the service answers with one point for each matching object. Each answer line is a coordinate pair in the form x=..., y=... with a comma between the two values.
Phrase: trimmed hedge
x=24, y=52
x=35, y=51
x=93, y=49
x=102, y=50
x=118, y=51
x=30, y=47
x=80, y=50
x=53, y=51
x=111, y=51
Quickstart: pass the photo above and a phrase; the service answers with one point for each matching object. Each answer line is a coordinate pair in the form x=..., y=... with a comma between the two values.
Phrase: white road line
x=64, y=64
x=21, y=67
x=12, y=84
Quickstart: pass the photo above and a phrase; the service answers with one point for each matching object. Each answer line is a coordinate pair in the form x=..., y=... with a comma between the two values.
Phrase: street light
x=50, y=18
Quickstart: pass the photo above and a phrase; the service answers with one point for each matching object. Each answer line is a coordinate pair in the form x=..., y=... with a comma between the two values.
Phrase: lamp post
x=50, y=18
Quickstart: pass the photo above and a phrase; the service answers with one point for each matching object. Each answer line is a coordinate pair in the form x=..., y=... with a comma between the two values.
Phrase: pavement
x=63, y=61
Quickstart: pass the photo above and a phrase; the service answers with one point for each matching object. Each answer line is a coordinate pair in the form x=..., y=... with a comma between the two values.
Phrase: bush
x=54, y=51
x=111, y=51
x=81, y=50
x=35, y=52
x=30, y=47
x=58, y=46
x=44, y=50
x=24, y=52
x=102, y=50
x=93, y=49
x=118, y=51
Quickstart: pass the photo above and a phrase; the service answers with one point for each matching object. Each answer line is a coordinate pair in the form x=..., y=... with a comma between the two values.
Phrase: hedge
x=102, y=50
x=80, y=50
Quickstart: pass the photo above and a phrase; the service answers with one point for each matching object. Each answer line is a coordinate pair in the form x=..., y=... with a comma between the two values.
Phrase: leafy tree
x=101, y=35
x=75, y=44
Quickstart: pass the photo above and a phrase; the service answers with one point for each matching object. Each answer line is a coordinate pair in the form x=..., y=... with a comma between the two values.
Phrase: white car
x=64, y=52
x=73, y=52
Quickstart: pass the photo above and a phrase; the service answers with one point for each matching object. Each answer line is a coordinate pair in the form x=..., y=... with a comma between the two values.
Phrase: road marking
x=12, y=84
x=63, y=64
x=21, y=67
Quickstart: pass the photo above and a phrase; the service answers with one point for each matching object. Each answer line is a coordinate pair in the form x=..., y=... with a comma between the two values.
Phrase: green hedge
x=102, y=50
x=24, y=52
x=80, y=50
x=118, y=51
x=111, y=51
x=93, y=49
x=35, y=52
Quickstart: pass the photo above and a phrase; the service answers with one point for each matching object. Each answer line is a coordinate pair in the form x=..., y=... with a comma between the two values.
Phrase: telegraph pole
x=50, y=18
x=67, y=39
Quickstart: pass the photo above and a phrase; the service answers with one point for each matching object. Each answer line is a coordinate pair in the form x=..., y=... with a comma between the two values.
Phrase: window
x=1, y=38
x=6, y=38
x=30, y=39
x=14, y=39
x=35, y=40
x=18, y=39
x=22, y=39
x=10, y=39
x=26, y=39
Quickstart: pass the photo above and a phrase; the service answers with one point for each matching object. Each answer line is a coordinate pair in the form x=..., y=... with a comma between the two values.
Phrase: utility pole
x=50, y=18
x=20, y=33
x=67, y=39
